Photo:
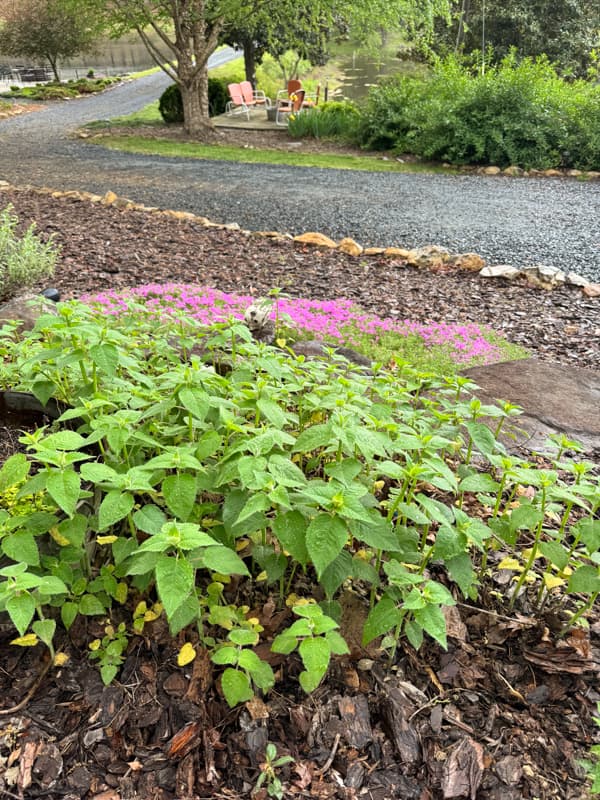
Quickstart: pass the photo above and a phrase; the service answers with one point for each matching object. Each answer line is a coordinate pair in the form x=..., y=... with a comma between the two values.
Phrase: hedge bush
x=517, y=113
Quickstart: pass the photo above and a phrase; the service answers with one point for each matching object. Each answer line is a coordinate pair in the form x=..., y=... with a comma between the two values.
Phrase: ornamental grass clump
x=25, y=259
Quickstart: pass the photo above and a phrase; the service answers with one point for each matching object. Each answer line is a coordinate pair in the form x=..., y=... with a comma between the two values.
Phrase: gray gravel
x=508, y=220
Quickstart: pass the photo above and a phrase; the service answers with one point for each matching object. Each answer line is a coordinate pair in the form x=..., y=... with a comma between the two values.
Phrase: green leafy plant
x=109, y=651
x=197, y=460
x=24, y=259
x=316, y=638
x=268, y=774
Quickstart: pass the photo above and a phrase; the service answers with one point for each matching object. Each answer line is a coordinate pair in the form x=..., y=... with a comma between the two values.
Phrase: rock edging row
x=428, y=257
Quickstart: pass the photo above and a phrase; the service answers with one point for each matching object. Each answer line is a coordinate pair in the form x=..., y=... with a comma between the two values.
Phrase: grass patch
x=169, y=148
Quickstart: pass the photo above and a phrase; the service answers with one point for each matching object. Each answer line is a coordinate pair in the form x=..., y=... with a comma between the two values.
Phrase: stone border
x=429, y=257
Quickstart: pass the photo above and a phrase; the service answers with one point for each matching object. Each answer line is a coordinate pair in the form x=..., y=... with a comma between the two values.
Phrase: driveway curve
x=508, y=220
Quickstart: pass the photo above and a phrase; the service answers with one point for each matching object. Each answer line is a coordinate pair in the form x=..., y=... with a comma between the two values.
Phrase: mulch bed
x=505, y=713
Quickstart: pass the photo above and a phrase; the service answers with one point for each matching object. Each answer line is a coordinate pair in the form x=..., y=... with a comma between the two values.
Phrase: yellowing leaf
x=186, y=655
x=216, y=576
x=510, y=563
x=58, y=537
x=241, y=544
x=552, y=581
x=254, y=621
x=140, y=609
x=94, y=645
x=60, y=659
x=121, y=592
x=106, y=539
x=280, y=342
x=150, y=616
x=262, y=576
x=29, y=640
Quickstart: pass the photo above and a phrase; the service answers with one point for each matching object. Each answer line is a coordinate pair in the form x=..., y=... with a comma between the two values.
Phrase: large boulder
x=26, y=308
x=554, y=399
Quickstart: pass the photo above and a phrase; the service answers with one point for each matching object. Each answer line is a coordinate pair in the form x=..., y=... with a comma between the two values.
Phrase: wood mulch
x=505, y=713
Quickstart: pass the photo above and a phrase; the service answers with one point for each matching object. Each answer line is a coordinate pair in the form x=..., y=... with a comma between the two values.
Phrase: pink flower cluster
x=337, y=319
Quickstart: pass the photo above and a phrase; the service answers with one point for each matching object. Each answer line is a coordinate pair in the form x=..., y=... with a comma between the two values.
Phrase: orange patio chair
x=254, y=97
x=293, y=105
x=237, y=104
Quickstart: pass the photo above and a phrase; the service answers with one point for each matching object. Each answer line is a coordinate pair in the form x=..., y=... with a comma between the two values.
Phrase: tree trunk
x=54, y=68
x=250, y=61
x=194, y=96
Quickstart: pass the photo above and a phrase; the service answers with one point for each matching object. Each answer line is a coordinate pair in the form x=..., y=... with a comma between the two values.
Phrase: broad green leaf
x=284, y=643
x=383, y=617
x=91, y=606
x=207, y=445
x=315, y=655
x=51, y=585
x=44, y=629
x=479, y=482
x=437, y=511
x=73, y=529
x=269, y=409
x=64, y=440
x=257, y=502
x=285, y=472
x=262, y=674
x=377, y=532
x=243, y=637
x=525, y=517
x=344, y=471
x=449, y=542
x=483, y=438
x=312, y=438
x=433, y=622
x=236, y=687
x=414, y=633
x=585, y=580
x=100, y=473
x=21, y=608
x=221, y=559
x=21, y=546
x=290, y=529
x=149, y=519
x=106, y=357
x=337, y=643
x=68, y=613
x=196, y=401
x=180, y=492
x=225, y=655
x=14, y=470
x=115, y=506
x=64, y=487
x=325, y=538
x=556, y=553
x=174, y=582
x=460, y=569
x=336, y=573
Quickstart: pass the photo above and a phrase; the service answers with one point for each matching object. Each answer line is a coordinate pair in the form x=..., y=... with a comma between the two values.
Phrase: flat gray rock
x=554, y=399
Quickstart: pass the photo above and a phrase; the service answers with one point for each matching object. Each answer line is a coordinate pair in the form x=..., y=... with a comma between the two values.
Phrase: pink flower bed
x=335, y=319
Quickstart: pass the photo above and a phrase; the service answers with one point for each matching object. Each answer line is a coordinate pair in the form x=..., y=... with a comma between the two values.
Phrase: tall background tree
x=565, y=30
x=188, y=32
x=46, y=30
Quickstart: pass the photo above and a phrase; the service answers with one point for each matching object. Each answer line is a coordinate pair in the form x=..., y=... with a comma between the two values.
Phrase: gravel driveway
x=508, y=220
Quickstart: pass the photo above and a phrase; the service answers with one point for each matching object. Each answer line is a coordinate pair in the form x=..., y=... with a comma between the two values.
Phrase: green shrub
x=24, y=260
x=517, y=113
x=170, y=105
x=218, y=95
x=332, y=120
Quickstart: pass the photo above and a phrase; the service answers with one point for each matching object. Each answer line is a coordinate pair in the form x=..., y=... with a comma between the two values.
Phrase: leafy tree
x=189, y=31
x=565, y=30
x=46, y=29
